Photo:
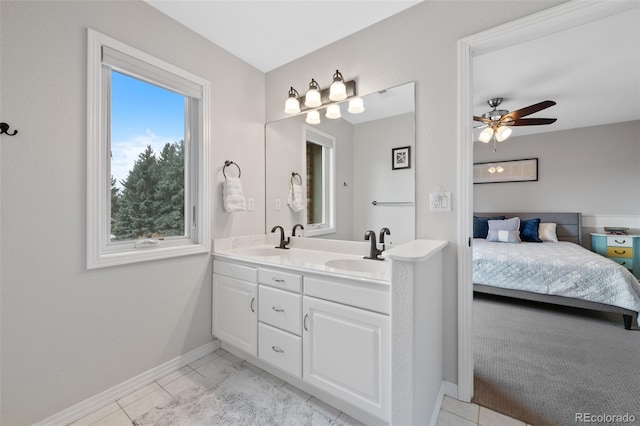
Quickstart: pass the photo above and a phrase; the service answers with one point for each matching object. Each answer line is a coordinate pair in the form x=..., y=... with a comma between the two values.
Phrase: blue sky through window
x=141, y=114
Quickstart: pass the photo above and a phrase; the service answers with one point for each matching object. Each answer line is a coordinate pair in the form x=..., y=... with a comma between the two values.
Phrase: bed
x=561, y=273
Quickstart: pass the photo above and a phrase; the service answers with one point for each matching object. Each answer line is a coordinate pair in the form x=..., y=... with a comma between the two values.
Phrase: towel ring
x=227, y=164
x=293, y=175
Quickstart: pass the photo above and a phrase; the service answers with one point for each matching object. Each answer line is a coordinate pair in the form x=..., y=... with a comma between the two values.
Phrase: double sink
x=317, y=260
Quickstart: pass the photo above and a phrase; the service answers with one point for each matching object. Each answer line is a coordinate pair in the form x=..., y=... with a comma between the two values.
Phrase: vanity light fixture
x=312, y=98
x=292, y=105
x=313, y=117
x=338, y=90
x=333, y=111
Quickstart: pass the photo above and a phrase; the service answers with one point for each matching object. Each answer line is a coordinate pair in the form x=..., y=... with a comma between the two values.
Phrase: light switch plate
x=440, y=201
x=251, y=204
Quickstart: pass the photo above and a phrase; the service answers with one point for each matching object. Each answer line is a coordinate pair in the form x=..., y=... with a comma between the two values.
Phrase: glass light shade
x=356, y=105
x=485, y=135
x=338, y=91
x=491, y=169
x=292, y=105
x=503, y=133
x=312, y=98
x=313, y=117
x=499, y=169
x=333, y=111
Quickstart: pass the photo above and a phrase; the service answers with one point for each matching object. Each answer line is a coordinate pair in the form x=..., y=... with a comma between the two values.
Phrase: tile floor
x=121, y=412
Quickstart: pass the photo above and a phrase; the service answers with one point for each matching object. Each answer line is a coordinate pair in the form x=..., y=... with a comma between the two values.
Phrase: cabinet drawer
x=281, y=349
x=283, y=280
x=281, y=309
x=620, y=241
x=626, y=262
x=620, y=252
x=241, y=272
x=373, y=297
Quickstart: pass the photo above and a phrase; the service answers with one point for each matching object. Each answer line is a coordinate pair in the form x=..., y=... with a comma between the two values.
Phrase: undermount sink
x=358, y=265
x=265, y=251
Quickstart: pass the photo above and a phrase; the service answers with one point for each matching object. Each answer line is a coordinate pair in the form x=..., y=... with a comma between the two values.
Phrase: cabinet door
x=346, y=353
x=235, y=316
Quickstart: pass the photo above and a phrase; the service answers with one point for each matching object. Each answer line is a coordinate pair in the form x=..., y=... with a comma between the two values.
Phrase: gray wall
x=68, y=333
x=593, y=170
x=419, y=45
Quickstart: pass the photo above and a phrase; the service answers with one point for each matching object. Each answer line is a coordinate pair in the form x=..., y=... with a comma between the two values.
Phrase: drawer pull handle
x=304, y=322
x=277, y=349
x=624, y=262
x=278, y=280
x=252, y=304
x=619, y=252
x=275, y=308
x=620, y=242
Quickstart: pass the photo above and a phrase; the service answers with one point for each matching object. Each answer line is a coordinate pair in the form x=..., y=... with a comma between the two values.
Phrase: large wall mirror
x=344, y=176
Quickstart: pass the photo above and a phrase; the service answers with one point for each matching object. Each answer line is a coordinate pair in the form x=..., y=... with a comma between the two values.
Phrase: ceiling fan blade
x=523, y=112
x=532, y=121
x=482, y=119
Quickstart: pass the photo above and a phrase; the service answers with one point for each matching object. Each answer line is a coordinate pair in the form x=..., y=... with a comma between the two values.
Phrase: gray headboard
x=568, y=228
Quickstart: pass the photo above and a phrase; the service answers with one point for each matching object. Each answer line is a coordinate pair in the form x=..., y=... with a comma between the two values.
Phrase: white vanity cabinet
x=347, y=353
x=235, y=308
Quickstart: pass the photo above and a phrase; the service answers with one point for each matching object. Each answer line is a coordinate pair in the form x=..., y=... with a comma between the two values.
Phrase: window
x=147, y=145
x=320, y=171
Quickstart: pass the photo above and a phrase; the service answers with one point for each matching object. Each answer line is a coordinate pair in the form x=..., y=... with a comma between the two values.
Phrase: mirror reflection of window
x=314, y=184
x=320, y=186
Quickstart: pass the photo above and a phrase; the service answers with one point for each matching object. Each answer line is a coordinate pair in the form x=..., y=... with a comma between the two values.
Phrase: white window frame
x=101, y=251
x=311, y=134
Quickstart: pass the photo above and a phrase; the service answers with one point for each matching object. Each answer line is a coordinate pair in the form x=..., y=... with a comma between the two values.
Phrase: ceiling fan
x=498, y=121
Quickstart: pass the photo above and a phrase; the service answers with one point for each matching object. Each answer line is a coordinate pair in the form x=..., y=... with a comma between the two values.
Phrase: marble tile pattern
x=123, y=411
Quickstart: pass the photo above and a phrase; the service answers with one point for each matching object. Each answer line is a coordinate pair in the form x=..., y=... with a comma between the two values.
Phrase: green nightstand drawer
x=627, y=263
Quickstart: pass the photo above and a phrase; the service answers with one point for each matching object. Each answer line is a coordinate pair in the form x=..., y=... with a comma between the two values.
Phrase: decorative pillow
x=505, y=231
x=529, y=230
x=496, y=235
x=547, y=232
x=481, y=227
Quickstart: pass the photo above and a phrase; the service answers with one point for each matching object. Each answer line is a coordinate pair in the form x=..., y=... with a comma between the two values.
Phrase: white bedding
x=562, y=269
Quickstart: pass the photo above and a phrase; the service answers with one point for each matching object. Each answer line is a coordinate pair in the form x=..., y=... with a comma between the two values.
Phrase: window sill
x=142, y=255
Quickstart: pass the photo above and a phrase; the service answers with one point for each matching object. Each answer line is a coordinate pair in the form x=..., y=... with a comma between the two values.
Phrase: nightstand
x=624, y=249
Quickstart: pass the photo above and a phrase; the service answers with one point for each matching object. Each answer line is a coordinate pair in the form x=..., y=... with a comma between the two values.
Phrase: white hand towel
x=232, y=195
x=295, y=200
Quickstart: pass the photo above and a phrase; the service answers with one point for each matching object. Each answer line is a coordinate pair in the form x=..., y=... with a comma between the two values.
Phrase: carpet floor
x=238, y=395
x=549, y=365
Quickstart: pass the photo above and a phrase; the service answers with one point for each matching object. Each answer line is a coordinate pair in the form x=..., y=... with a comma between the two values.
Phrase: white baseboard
x=109, y=396
x=446, y=388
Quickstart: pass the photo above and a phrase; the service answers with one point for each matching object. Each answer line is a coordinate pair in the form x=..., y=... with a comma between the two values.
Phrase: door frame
x=558, y=18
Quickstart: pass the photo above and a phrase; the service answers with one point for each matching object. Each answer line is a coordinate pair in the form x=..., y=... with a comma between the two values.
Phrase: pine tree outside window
x=147, y=145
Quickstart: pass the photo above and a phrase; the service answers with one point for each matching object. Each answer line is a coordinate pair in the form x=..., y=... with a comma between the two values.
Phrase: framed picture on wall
x=506, y=171
x=401, y=158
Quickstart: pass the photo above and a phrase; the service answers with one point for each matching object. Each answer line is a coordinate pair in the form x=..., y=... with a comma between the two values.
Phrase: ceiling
x=268, y=34
x=592, y=71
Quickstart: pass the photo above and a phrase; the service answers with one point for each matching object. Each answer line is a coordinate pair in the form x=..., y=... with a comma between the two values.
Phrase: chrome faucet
x=383, y=232
x=373, y=252
x=283, y=244
x=296, y=226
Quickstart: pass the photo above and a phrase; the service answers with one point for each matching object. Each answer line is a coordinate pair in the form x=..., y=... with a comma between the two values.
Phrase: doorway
x=551, y=20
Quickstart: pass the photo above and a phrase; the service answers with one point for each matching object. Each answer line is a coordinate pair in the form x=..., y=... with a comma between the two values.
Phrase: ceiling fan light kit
x=498, y=121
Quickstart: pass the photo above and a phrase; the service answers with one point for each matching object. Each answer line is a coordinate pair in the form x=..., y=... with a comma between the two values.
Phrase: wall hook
x=4, y=128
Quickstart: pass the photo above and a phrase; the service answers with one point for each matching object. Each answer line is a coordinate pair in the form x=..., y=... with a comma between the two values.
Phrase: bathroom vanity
x=321, y=317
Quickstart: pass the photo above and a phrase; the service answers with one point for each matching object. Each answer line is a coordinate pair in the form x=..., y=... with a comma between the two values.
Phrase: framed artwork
x=506, y=171
x=401, y=158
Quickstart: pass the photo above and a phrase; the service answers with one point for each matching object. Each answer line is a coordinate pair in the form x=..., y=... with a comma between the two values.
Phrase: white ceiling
x=592, y=71
x=268, y=34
